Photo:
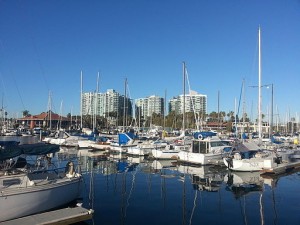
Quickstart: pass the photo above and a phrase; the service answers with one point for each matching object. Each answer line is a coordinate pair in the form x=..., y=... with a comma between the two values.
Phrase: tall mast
x=244, y=111
x=259, y=89
x=96, y=102
x=124, y=107
x=165, y=109
x=183, y=119
x=219, y=127
x=50, y=110
x=81, y=99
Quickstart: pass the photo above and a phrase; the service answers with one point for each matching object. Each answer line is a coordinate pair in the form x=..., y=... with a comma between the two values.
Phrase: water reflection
x=127, y=190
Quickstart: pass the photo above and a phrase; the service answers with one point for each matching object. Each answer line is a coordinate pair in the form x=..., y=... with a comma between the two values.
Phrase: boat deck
x=60, y=216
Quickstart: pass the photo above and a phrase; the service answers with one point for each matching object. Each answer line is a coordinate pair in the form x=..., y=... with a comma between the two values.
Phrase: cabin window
x=196, y=147
x=200, y=147
x=203, y=147
x=216, y=144
x=10, y=182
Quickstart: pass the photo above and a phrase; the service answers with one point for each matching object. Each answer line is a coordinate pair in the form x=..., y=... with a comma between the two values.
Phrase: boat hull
x=19, y=202
x=248, y=165
x=164, y=154
x=201, y=159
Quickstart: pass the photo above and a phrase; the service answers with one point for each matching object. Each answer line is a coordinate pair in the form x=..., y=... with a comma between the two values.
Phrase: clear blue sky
x=44, y=44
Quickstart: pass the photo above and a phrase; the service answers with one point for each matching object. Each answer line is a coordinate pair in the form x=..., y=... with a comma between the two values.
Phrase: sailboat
x=27, y=188
x=250, y=156
x=172, y=149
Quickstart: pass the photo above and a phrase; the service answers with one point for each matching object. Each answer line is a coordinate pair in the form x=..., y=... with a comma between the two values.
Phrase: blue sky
x=45, y=44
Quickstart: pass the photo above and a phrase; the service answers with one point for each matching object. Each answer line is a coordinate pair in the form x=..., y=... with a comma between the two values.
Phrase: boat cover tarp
x=9, y=151
x=39, y=148
x=124, y=138
x=248, y=146
x=12, y=150
x=2, y=143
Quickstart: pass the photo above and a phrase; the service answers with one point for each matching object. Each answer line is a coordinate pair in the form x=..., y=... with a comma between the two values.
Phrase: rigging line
x=192, y=100
x=39, y=62
x=18, y=91
x=240, y=99
x=12, y=75
x=4, y=91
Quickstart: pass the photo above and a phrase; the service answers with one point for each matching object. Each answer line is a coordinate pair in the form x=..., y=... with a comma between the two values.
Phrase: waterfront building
x=105, y=104
x=45, y=120
x=194, y=102
x=145, y=107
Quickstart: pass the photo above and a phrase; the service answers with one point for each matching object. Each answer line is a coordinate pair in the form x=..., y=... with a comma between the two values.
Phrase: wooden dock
x=282, y=168
x=56, y=217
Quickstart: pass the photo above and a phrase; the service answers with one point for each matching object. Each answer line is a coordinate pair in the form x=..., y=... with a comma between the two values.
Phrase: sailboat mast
x=81, y=99
x=259, y=89
x=183, y=119
x=244, y=111
x=96, y=102
x=50, y=110
x=165, y=110
x=124, y=107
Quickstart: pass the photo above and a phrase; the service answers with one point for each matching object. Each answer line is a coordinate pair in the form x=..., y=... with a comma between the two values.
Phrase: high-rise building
x=149, y=105
x=105, y=104
x=194, y=102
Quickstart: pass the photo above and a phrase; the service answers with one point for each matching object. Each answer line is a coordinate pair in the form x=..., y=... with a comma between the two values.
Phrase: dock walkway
x=282, y=168
x=56, y=217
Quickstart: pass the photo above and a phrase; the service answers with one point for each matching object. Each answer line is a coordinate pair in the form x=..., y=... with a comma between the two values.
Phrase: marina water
x=127, y=190
x=135, y=190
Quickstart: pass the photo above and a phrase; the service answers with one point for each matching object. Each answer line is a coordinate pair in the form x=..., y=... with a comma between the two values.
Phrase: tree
x=25, y=113
x=230, y=116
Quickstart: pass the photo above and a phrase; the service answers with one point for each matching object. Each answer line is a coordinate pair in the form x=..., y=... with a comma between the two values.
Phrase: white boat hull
x=140, y=151
x=201, y=159
x=247, y=165
x=19, y=202
x=164, y=154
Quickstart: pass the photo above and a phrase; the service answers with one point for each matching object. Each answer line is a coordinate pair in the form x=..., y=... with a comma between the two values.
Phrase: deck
x=282, y=168
x=57, y=217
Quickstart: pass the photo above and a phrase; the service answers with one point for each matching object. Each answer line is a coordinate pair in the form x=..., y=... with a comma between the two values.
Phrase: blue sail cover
x=123, y=138
x=244, y=136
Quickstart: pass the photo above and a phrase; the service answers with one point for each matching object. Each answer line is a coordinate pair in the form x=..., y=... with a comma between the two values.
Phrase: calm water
x=127, y=190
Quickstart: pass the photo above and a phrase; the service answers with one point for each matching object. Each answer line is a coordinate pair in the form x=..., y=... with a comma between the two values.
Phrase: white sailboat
x=171, y=151
x=250, y=157
x=26, y=190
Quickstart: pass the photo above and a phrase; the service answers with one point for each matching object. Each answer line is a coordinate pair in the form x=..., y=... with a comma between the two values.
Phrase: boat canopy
x=9, y=151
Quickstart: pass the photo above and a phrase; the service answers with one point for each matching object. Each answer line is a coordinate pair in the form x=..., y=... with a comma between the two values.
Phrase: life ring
x=200, y=136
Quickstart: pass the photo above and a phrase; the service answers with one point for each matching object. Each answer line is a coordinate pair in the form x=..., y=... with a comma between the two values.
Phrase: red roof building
x=45, y=119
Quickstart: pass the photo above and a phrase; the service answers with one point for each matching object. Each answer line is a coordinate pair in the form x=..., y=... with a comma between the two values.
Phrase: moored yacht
x=206, y=151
